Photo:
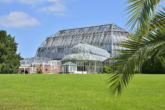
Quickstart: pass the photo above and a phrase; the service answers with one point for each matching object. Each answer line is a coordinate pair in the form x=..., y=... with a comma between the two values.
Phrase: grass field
x=79, y=92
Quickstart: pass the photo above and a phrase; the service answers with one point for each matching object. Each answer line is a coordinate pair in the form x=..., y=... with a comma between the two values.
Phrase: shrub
x=154, y=65
x=40, y=71
x=107, y=69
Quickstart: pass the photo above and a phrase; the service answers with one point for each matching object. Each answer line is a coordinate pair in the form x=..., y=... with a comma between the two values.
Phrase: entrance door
x=22, y=72
x=67, y=69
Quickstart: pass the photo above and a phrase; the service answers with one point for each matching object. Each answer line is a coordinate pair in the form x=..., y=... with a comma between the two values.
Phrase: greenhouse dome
x=86, y=48
x=86, y=52
x=85, y=58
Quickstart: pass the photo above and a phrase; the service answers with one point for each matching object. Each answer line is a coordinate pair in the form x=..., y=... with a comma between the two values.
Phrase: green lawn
x=79, y=92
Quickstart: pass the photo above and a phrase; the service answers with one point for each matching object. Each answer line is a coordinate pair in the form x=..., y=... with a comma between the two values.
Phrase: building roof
x=70, y=63
x=38, y=60
x=83, y=56
x=90, y=49
x=59, y=44
x=86, y=52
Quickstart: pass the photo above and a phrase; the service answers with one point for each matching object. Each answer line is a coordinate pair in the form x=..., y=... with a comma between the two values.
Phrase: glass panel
x=78, y=62
x=97, y=63
x=81, y=63
x=79, y=68
x=92, y=63
x=72, y=68
x=60, y=50
x=62, y=69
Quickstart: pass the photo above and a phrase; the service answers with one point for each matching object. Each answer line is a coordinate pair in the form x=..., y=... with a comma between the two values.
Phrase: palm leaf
x=139, y=49
x=140, y=12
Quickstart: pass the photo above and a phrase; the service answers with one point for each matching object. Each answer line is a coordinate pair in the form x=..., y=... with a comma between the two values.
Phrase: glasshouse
x=78, y=50
x=58, y=45
x=84, y=59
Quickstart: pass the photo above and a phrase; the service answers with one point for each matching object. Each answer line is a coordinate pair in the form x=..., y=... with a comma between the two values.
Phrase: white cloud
x=18, y=19
x=54, y=7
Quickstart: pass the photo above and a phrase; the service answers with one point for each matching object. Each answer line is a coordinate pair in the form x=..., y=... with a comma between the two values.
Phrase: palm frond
x=139, y=49
x=140, y=12
x=158, y=19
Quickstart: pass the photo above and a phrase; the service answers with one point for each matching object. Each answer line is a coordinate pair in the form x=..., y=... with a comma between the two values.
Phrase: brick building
x=33, y=65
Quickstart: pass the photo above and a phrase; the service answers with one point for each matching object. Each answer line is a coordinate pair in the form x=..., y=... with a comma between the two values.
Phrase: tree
x=154, y=65
x=9, y=59
x=146, y=40
x=40, y=71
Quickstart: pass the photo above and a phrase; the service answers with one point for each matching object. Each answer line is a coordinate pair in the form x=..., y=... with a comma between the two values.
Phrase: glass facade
x=38, y=61
x=87, y=66
x=85, y=59
x=107, y=36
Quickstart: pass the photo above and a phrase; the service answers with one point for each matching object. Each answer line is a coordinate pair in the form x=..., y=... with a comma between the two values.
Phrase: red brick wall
x=46, y=67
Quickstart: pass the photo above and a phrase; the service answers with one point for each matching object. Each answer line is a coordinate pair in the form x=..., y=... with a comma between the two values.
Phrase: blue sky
x=31, y=21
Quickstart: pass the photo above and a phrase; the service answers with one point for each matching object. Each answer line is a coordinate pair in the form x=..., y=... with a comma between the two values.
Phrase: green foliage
x=107, y=69
x=40, y=71
x=146, y=41
x=140, y=12
x=9, y=59
x=154, y=65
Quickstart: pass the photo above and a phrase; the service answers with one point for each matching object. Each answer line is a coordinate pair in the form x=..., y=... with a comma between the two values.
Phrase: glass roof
x=39, y=60
x=70, y=63
x=35, y=60
x=83, y=56
x=86, y=48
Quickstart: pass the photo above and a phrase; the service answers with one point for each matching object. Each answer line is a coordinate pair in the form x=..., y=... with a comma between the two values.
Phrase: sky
x=32, y=21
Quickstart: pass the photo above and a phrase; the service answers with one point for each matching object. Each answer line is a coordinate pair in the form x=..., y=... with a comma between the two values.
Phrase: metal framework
x=58, y=45
x=86, y=52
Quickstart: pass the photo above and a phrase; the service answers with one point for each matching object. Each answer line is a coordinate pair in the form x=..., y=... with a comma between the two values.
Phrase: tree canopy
x=9, y=59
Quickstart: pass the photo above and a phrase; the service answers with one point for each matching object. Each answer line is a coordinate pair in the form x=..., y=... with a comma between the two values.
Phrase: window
x=46, y=69
x=72, y=68
x=79, y=68
x=78, y=62
x=82, y=63
x=98, y=63
x=86, y=63
x=92, y=63
x=53, y=50
x=61, y=50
